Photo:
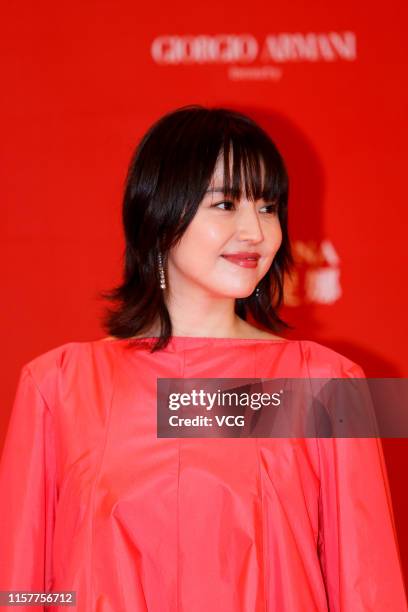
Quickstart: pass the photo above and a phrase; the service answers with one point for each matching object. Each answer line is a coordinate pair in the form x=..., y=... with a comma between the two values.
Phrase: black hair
x=167, y=177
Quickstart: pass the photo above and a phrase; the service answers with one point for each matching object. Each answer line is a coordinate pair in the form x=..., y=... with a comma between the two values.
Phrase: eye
x=272, y=209
x=227, y=203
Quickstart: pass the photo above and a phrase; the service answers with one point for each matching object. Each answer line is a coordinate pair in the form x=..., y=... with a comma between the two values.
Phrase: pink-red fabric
x=93, y=501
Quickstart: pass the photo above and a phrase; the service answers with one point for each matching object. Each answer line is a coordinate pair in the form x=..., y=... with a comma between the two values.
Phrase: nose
x=248, y=223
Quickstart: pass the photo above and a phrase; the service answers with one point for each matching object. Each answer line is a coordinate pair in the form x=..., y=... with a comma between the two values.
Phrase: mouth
x=247, y=261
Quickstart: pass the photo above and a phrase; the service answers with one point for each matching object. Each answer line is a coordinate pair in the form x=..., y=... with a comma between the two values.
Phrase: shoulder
x=54, y=358
x=323, y=361
x=65, y=362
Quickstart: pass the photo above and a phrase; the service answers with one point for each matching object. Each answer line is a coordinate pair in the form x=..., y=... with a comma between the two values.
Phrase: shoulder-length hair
x=167, y=178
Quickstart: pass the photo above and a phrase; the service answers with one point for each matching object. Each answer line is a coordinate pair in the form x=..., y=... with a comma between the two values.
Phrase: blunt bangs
x=252, y=168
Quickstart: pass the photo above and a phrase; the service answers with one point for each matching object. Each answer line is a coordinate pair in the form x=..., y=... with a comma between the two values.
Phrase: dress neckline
x=184, y=339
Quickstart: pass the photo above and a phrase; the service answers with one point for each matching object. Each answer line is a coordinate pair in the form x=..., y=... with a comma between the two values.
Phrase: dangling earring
x=257, y=292
x=161, y=272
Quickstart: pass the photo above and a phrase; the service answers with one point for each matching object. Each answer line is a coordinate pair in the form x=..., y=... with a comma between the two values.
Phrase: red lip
x=242, y=255
x=244, y=260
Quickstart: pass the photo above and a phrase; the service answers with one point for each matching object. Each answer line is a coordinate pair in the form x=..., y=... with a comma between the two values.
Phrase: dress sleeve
x=27, y=493
x=357, y=543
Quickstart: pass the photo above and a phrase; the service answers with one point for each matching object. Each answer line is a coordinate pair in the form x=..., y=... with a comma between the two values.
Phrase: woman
x=96, y=503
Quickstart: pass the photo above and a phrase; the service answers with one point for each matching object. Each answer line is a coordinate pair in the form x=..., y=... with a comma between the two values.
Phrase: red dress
x=94, y=502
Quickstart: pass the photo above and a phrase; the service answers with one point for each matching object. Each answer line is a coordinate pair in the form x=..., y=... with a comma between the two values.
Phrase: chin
x=233, y=292
x=242, y=294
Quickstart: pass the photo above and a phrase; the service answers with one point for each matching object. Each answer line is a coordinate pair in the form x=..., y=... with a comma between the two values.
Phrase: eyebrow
x=223, y=192
x=215, y=190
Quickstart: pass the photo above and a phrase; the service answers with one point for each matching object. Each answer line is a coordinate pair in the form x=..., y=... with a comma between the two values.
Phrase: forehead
x=217, y=179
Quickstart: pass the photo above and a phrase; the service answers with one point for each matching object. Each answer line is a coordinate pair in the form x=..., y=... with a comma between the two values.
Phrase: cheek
x=274, y=233
x=278, y=237
x=207, y=229
x=202, y=235
x=188, y=253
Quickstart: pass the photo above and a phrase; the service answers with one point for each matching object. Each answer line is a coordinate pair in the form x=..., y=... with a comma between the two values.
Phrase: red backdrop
x=83, y=80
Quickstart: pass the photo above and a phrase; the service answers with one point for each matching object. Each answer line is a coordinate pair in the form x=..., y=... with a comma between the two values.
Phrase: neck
x=202, y=314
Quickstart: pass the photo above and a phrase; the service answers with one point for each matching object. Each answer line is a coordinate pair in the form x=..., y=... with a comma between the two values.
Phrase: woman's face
x=221, y=227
